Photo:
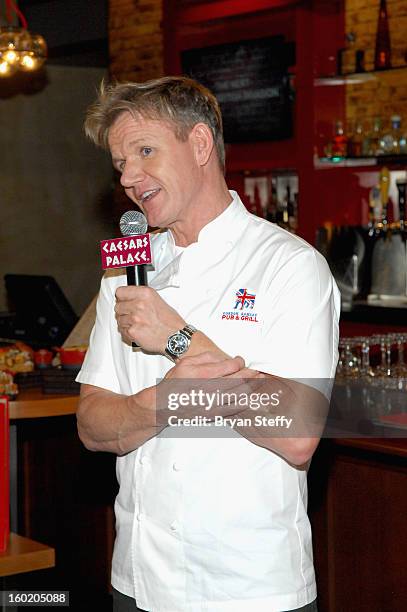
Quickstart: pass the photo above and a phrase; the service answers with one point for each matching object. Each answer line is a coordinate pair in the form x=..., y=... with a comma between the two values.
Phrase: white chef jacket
x=213, y=523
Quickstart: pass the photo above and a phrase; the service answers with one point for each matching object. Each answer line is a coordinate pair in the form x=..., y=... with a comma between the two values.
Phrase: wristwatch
x=178, y=343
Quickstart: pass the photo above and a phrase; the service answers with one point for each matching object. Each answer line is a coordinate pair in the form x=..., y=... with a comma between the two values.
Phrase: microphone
x=133, y=223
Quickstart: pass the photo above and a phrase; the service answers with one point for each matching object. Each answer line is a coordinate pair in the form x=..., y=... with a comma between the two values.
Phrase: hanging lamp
x=19, y=49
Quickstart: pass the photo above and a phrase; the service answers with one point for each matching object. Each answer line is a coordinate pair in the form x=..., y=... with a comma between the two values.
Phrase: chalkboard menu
x=251, y=82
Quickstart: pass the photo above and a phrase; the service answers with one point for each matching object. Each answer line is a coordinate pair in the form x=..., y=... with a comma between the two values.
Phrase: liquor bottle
x=374, y=138
x=366, y=142
x=403, y=143
x=346, y=55
x=272, y=203
x=285, y=208
x=390, y=140
x=293, y=214
x=339, y=141
x=282, y=210
x=356, y=141
x=258, y=208
x=360, y=61
x=382, y=59
x=291, y=210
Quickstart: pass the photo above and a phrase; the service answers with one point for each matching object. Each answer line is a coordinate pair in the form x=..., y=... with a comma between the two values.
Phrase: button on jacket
x=218, y=523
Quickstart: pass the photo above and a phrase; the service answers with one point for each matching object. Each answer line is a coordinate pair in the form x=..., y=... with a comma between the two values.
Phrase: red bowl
x=72, y=357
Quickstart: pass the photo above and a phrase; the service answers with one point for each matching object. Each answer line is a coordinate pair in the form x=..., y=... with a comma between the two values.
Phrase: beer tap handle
x=384, y=186
x=402, y=189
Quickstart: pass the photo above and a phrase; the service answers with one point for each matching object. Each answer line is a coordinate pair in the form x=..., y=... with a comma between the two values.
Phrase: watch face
x=177, y=344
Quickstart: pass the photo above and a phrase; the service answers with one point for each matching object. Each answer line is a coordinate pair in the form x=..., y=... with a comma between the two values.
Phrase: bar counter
x=24, y=555
x=358, y=512
x=63, y=498
x=357, y=507
x=33, y=404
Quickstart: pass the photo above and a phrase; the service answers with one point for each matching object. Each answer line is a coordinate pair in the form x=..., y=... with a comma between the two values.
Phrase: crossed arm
x=116, y=423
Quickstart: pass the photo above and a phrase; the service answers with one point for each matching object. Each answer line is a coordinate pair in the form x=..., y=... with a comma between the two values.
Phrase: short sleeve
x=99, y=367
x=300, y=313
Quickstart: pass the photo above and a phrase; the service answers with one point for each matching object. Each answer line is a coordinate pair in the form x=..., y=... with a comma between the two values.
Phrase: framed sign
x=251, y=82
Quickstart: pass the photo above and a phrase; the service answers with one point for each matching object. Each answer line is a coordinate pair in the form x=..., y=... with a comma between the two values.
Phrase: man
x=203, y=523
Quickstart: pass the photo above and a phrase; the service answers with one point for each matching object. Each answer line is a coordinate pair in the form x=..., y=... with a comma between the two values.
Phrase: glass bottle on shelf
x=360, y=61
x=339, y=141
x=383, y=48
x=403, y=142
x=272, y=203
x=282, y=209
x=258, y=209
x=346, y=55
x=293, y=214
x=390, y=139
x=355, y=143
x=290, y=210
x=375, y=147
x=367, y=136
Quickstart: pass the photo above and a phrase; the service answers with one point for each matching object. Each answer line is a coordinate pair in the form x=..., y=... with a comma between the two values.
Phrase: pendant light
x=19, y=49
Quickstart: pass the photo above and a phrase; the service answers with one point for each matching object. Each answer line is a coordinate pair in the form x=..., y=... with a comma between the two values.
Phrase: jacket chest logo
x=243, y=307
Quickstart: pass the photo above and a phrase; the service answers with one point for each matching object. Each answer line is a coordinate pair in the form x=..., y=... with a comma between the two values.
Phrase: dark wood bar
x=65, y=500
x=358, y=507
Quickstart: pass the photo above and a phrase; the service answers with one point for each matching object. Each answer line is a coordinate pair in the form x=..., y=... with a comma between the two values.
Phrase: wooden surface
x=358, y=510
x=25, y=555
x=65, y=499
x=389, y=446
x=33, y=404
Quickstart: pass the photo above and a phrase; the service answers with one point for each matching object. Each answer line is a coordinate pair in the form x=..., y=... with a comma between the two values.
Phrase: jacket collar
x=215, y=240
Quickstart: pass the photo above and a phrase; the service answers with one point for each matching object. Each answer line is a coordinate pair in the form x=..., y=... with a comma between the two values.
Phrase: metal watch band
x=187, y=332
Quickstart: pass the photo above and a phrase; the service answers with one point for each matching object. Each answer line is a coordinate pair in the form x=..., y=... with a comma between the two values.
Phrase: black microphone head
x=132, y=223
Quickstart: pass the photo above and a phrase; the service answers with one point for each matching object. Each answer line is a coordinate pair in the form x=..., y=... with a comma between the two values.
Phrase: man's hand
x=206, y=385
x=206, y=365
x=145, y=318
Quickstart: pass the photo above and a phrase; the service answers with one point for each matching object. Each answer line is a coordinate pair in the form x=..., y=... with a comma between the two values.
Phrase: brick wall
x=135, y=39
x=136, y=54
x=387, y=94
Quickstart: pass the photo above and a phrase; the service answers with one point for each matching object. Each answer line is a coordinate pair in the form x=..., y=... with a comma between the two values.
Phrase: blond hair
x=178, y=100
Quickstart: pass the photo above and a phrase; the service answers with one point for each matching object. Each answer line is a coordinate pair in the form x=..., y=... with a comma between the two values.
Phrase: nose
x=131, y=174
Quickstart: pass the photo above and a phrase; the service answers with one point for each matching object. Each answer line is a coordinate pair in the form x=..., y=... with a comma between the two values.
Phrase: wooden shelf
x=24, y=555
x=33, y=404
x=354, y=162
x=355, y=77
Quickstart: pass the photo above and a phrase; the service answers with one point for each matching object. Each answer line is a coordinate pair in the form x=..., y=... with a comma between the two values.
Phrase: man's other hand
x=145, y=318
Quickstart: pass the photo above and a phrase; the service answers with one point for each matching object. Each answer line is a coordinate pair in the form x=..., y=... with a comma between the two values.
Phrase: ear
x=202, y=141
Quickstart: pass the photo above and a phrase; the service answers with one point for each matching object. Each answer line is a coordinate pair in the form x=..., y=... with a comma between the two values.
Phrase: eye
x=146, y=151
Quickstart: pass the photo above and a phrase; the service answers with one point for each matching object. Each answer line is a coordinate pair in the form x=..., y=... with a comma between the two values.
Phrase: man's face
x=158, y=172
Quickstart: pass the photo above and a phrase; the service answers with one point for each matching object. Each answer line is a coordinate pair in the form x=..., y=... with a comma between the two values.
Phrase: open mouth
x=147, y=195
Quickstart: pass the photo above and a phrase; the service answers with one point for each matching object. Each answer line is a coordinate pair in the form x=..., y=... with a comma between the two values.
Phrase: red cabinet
x=317, y=29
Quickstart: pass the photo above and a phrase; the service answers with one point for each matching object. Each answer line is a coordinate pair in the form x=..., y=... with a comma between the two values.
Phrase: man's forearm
x=297, y=400
x=116, y=423
x=292, y=428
